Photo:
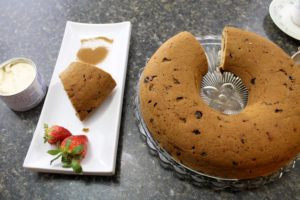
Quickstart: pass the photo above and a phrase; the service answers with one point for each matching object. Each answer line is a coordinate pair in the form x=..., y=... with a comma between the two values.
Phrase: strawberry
x=55, y=134
x=72, y=150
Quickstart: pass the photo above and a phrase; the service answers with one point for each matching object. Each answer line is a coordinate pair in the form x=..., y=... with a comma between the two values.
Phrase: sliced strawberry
x=72, y=150
x=55, y=134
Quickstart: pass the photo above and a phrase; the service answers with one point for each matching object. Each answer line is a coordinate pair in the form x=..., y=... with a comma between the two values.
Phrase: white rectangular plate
x=104, y=123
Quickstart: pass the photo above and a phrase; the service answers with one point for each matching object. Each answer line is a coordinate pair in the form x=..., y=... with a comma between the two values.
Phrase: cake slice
x=87, y=87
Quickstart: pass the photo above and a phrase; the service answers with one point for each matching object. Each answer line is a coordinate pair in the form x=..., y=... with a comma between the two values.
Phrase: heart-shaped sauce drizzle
x=92, y=56
x=94, y=50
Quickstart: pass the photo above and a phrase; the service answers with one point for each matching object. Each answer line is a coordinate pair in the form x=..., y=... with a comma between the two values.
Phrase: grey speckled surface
x=34, y=29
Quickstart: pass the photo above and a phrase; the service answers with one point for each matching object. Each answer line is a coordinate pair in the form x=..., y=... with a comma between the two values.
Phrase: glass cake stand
x=212, y=46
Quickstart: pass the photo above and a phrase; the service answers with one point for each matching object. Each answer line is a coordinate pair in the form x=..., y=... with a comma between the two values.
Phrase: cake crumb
x=85, y=130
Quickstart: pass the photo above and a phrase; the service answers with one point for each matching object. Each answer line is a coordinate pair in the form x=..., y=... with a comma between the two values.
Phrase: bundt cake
x=258, y=141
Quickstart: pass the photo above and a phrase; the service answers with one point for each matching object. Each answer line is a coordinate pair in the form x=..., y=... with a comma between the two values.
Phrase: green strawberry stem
x=54, y=152
x=68, y=143
x=69, y=159
x=76, y=166
x=77, y=150
x=66, y=165
x=46, y=136
x=55, y=158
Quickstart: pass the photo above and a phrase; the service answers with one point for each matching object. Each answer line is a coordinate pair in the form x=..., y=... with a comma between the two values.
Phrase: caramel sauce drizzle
x=93, y=55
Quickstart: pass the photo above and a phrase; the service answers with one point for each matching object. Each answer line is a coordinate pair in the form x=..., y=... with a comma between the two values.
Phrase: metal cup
x=31, y=96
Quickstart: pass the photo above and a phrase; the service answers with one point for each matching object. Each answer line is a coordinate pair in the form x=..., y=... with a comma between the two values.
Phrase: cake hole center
x=224, y=92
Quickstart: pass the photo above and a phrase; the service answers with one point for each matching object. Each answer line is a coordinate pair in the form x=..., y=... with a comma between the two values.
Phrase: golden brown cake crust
x=256, y=142
x=87, y=87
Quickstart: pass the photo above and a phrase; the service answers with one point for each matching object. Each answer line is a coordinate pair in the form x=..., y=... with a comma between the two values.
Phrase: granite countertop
x=34, y=29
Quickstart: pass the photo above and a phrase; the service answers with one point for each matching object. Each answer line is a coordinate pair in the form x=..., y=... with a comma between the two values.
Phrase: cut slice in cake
x=87, y=87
